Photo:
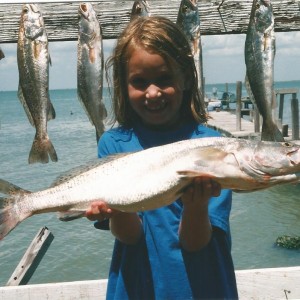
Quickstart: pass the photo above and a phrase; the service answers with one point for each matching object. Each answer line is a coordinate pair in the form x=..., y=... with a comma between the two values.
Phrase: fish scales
x=90, y=67
x=156, y=177
x=189, y=21
x=33, y=91
x=259, y=58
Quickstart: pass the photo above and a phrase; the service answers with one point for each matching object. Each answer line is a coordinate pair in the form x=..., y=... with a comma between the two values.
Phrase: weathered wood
x=238, y=105
x=272, y=283
x=295, y=117
x=217, y=17
x=294, y=109
x=31, y=258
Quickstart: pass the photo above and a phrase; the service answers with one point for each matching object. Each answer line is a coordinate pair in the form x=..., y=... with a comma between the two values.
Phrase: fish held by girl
x=90, y=67
x=259, y=59
x=33, y=63
x=160, y=175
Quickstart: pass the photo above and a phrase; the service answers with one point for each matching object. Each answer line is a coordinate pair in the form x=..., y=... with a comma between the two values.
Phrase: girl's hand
x=195, y=229
x=200, y=191
x=99, y=211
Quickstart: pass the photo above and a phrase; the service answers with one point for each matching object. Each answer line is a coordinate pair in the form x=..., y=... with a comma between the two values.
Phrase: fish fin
x=40, y=150
x=80, y=98
x=51, y=112
x=50, y=61
x=85, y=168
x=92, y=55
x=23, y=101
x=10, y=215
x=208, y=154
x=192, y=174
x=10, y=189
x=70, y=215
x=271, y=133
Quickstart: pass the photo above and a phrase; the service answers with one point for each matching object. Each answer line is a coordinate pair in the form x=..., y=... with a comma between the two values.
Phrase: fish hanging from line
x=33, y=64
x=140, y=9
x=189, y=21
x=90, y=67
x=259, y=59
x=155, y=177
x=1, y=54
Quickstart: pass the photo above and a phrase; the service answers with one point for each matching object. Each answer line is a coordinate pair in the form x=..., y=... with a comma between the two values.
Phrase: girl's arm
x=195, y=229
x=126, y=227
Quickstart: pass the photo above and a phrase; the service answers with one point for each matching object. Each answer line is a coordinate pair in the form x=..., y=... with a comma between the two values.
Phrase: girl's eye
x=138, y=82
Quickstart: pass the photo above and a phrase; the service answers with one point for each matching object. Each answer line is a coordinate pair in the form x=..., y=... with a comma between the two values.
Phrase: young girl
x=180, y=251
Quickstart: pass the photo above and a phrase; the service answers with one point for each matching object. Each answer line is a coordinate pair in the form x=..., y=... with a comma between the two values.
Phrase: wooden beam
x=273, y=283
x=31, y=258
x=217, y=17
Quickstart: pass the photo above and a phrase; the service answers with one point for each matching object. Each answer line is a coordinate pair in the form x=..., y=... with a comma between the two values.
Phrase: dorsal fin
x=10, y=189
x=85, y=168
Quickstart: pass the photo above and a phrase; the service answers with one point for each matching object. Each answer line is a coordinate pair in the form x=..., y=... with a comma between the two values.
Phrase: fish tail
x=10, y=213
x=41, y=150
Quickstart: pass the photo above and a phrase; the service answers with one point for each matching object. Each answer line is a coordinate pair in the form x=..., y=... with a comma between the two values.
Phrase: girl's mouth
x=155, y=105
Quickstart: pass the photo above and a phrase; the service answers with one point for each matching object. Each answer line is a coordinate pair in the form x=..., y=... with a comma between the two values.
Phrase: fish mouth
x=266, y=2
x=193, y=2
x=83, y=10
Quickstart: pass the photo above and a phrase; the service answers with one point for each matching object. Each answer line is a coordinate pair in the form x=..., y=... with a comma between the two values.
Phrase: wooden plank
x=286, y=91
x=225, y=122
x=217, y=17
x=31, y=258
x=270, y=283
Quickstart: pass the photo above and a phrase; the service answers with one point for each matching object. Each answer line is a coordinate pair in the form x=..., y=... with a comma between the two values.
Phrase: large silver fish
x=1, y=54
x=156, y=177
x=259, y=58
x=90, y=67
x=140, y=9
x=188, y=20
x=33, y=63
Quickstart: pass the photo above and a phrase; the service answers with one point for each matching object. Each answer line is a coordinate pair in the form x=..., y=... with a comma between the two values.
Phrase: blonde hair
x=161, y=36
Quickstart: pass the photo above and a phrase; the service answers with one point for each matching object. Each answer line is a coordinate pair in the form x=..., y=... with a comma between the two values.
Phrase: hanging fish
x=33, y=64
x=259, y=59
x=188, y=20
x=90, y=67
x=1, y=54
x=140, y=9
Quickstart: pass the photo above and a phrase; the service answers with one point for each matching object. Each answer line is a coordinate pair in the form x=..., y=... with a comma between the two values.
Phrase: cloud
x=223, y=60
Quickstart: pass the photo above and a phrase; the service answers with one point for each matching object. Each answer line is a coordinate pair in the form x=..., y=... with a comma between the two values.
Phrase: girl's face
x=155, y=90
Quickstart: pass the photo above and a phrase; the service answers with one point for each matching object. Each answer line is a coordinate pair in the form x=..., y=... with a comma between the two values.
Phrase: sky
x=223, y=60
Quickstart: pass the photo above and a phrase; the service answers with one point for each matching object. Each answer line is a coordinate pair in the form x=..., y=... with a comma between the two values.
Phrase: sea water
x=79, y=251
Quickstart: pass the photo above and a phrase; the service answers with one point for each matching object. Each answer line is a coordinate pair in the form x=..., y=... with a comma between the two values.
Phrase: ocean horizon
x=79, y=251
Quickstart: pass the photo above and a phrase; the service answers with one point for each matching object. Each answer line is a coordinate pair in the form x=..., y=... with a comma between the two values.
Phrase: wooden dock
x=271, y=283
x=226, y=122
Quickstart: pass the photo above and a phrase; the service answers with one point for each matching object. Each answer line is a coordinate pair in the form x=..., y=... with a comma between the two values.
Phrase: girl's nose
x=153, y=92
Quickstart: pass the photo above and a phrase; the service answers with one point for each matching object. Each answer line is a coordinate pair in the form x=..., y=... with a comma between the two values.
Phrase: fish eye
x=139, y=9
x=257, y=5
x=185, y=8
x=287, y=144
x=25, y=10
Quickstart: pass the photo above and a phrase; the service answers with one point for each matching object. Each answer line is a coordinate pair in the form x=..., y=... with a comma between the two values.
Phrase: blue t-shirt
x=157, y=267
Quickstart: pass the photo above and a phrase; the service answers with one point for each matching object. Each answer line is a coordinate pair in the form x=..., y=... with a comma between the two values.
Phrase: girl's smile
x=155, y=90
